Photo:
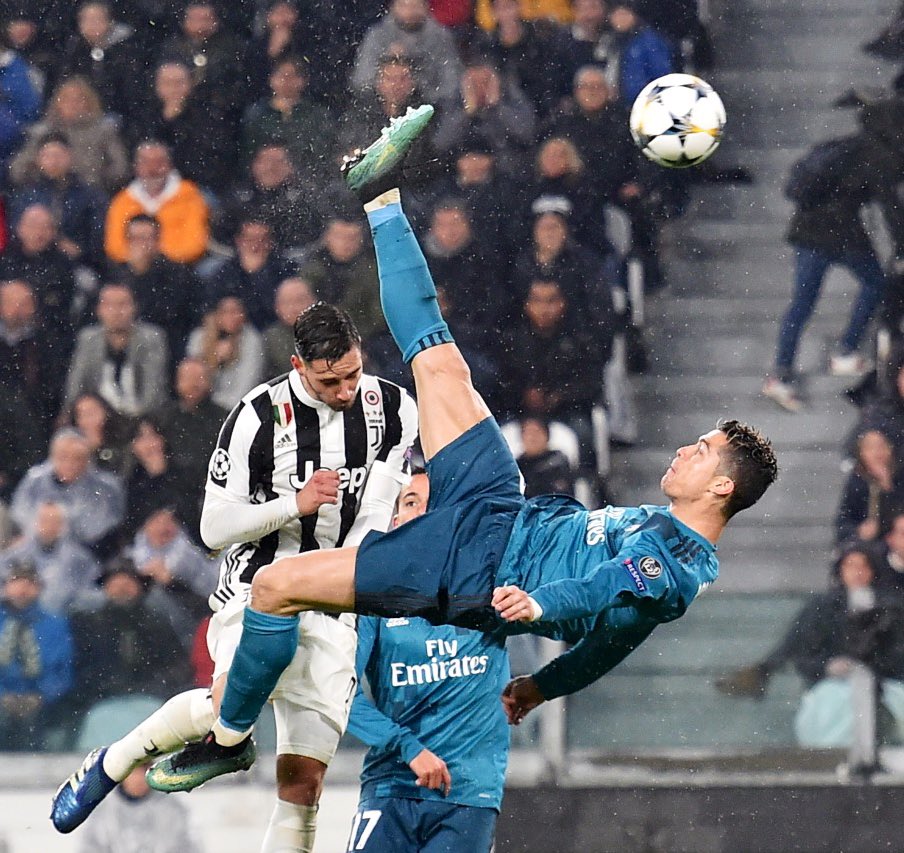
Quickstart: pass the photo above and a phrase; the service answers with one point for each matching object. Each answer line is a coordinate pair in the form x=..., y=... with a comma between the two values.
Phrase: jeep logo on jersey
x=650, y=566
x=350, y=479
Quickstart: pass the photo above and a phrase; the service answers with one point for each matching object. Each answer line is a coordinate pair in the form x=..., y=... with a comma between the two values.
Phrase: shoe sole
x=161, y=777
x=383, y=155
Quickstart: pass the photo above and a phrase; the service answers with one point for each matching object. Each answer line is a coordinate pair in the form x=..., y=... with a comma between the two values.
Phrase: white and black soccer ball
x=677, y=120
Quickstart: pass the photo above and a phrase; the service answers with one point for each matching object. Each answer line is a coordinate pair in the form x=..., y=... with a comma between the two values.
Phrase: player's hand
x=322, y=488
x=431, y=772
x=520, y=697
x=513, y=604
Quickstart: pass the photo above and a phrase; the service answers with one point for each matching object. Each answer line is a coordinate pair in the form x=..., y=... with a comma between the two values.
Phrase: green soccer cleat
x=197, y=763
x=374, y=170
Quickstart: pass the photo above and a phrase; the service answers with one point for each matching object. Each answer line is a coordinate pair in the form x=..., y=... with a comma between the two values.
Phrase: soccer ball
x=677, y=120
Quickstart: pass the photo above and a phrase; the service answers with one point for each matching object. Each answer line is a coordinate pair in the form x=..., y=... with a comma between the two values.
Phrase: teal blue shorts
x=441, y=566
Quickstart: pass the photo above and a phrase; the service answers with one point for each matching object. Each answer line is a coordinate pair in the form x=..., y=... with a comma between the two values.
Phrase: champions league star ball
x=677, y=120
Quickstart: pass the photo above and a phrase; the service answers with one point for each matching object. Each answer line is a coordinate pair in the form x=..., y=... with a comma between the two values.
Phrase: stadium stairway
x=780, y=67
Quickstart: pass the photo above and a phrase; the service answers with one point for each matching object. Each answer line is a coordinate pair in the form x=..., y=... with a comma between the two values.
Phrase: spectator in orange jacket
x=159, y=191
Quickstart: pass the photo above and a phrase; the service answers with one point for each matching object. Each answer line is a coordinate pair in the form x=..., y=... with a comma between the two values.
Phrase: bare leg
x=318, y=580
x=448, y=404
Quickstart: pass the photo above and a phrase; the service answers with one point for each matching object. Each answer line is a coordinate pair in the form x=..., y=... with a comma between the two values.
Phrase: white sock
x=186, y=717
x=291, y=829
x=226, y=736
x=384, y=200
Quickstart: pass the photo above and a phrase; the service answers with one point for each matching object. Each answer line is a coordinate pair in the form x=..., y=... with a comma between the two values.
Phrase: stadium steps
x=711, y=334
x=663, y=696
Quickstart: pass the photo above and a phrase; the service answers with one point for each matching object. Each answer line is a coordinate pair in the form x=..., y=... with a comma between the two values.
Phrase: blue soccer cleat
x=197, y=763
x=81, y=793
x=377, y=168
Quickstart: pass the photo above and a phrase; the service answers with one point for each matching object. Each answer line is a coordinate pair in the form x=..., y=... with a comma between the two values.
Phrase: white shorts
x=313, y=696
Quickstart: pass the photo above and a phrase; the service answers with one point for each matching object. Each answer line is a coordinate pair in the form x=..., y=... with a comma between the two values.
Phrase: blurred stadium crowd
x=171, y=202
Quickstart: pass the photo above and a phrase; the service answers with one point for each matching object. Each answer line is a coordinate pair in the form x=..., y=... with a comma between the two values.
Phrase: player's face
x=413, y=499
x=332, y=382
x=695, y=469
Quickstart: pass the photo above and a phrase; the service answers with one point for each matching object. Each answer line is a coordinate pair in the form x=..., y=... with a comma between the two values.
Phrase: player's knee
x=443, y=363
x=299, y=780
x=268, y=590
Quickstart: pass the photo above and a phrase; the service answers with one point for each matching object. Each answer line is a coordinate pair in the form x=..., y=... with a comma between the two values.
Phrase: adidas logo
x=285, y=440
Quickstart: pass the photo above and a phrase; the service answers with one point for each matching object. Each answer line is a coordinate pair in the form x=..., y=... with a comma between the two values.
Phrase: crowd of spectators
x=172, y=202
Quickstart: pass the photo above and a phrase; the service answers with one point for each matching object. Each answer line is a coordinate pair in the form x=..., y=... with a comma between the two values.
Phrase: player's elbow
x=211, y=535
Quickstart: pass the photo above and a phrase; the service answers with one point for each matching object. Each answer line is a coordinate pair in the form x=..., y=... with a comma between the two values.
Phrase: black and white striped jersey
x=268, y=448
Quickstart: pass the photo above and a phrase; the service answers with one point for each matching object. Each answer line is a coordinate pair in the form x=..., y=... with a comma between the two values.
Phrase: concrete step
x=735, y=12
x=824, y=48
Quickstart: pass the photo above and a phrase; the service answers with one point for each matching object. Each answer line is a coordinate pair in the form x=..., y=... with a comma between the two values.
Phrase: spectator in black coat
x=559, y=172
x=589, y=38
x=583, y=275
x=124, y=647
x=190, y=425
x=535, y=53
x=167, y=294
x=554, y=368
x=198, y=134
x=851, y=621
x=289, y=32
x=108, y=55
x=480, y=184
x=215, y=55
x=545, y=471
x=890, y=553
x=152, y=482
x=873, y=491
x=253, y=274
x=34, y=256
x=27, y=375
x=595, y=123
x=78, y=209
x=464, y=267
x=883, y=410
x=273, y=195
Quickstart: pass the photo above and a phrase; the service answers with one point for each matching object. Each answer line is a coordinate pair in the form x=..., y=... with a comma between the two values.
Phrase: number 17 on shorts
x=363, y=826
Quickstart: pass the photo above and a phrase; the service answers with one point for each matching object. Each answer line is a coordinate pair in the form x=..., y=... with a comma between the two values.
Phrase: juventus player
x=309, y=460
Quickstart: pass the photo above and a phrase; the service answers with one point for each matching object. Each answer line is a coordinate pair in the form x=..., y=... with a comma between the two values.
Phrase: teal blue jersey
x=433, y=688
x=604, y=579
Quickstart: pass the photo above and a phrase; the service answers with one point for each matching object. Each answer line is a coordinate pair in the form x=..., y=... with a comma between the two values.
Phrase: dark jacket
x=834, y=226
x=826, y=628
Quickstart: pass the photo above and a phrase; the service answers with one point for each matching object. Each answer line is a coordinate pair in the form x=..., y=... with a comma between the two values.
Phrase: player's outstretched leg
x=185, y=717
x=447, y=402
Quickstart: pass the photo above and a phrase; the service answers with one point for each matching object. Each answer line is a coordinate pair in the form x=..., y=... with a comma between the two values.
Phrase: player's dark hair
x=324, y=331
x=749, y=461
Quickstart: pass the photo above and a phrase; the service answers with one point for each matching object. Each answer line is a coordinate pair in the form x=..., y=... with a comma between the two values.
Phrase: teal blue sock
x=406, y=287
x=267, y=647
